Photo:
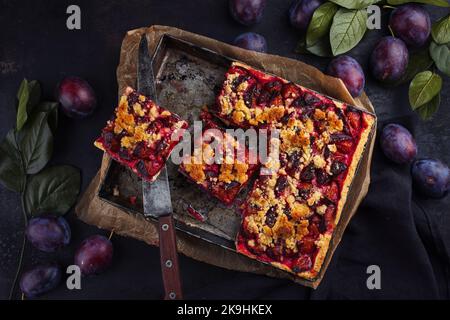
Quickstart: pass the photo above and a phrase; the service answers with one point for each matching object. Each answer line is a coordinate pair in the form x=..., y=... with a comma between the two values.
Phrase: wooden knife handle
x=169, y=258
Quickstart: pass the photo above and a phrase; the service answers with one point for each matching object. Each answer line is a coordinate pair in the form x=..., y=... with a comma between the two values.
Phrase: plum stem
x=390, y=30
x=111, y=234
x=24, y=242
x=388, y=7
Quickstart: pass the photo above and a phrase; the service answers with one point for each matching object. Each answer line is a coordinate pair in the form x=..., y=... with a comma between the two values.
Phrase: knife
x=157, y=200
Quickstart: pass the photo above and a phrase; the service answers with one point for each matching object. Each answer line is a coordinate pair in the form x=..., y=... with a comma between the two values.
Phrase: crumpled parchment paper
x=92, y=210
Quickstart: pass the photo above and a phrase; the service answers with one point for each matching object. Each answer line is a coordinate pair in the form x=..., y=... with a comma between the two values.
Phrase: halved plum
x=354, y=123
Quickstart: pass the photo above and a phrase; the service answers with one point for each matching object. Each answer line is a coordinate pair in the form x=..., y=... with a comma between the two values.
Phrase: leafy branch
x=337, y=26
x=425, y=87
x=24, y=154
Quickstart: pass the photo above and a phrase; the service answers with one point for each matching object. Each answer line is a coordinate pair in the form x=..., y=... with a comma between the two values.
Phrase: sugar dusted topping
x=319, y=114
x=334, y=122
x=321, y=209
x=289, y=215
x=131, y=121
x=138, y=109
x=300, y=210
x=233, y=172
x=302, y=229
x=332, y=147
x=319, y=161
x=137, y=137
x=196, y=171
x=315, y=197
x=283, y=228
x=220, y=168
x=124, y=120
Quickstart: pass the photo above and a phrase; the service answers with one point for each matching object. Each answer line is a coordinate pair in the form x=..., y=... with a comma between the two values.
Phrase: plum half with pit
x=398, y=144
x=411, y=23
x=431, y=177
x=251, y=41
x=94, y=255
x=48, y=233
x=389, y=59
x=350, y=72
x=301, y=11
x=76, y=96
x=40, y=279
x=247, y=12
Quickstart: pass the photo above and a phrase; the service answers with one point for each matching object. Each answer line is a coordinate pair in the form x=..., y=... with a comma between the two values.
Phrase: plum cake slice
x=220, y=163
x=251, y=98
x=141, y=135
x=290, y=215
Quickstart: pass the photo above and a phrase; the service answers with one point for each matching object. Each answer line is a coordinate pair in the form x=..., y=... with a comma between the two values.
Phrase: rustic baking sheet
x=94, y=210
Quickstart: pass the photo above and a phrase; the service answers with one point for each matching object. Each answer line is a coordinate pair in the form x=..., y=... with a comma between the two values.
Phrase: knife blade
x=158, y=190
x=145, y=77
x=156, y=195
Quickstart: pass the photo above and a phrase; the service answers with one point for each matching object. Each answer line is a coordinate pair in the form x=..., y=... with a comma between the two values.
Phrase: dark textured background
x=407, y=236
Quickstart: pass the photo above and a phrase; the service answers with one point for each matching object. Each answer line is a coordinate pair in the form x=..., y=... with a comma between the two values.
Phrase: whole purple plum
x=398, y=144
x=94, y=255
x=431, y=177
x=301, y=11
x=350, y=72
x=40, y=279
x=247, y=12
x=411, y=23
x=389, y=59
x=251, y=41
x=48, y=233
x=76, y=96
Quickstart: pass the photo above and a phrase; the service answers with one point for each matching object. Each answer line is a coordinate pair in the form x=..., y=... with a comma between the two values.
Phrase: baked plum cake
x=220, y=163
x=289, y=215
x=141, y=135
x=251, y=98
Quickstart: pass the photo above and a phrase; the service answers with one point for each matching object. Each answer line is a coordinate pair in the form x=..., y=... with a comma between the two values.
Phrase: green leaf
x=428, y=109
x=53, y=190
x=23, y=96
x=11, y=172
x=29, y=95
x=35, y=142
x=320, y=23
x=439, y=3
x=34, y=88
x=424, y=87
x=347, y=29
x=441, y=56
x=23, y=86
x=355, y=4
x=51, y=110
x=321, y=48
x=441, y=30
x=418, y=62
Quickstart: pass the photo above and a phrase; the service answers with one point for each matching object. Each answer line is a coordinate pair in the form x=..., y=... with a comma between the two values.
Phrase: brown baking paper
x=92, y=210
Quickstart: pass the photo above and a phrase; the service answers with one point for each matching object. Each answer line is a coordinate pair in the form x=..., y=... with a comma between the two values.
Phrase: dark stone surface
x=36, y=44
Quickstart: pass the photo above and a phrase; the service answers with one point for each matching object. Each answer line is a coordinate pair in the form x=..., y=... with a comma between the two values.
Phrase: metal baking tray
x=188, y=77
